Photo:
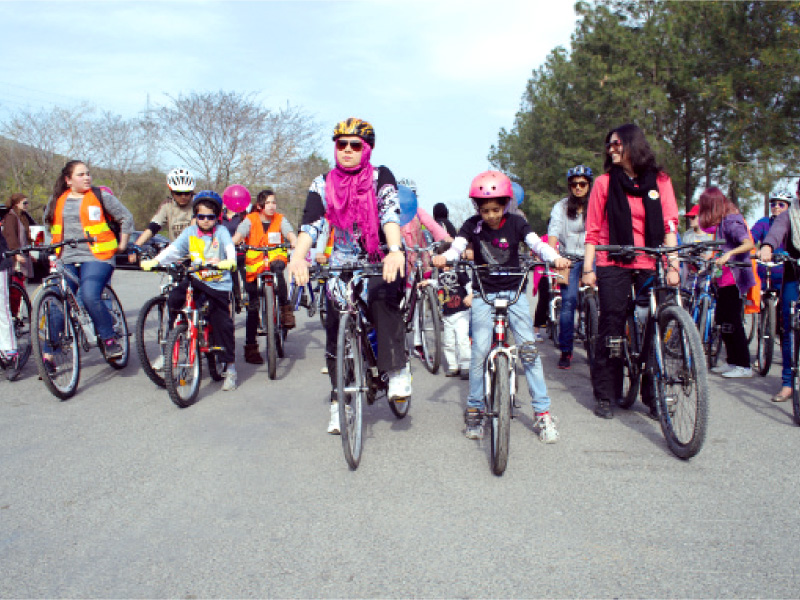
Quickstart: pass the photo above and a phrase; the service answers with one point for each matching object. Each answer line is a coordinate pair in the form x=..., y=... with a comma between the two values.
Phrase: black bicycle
x=422, y=317
x=665, y=344
x=20, y=305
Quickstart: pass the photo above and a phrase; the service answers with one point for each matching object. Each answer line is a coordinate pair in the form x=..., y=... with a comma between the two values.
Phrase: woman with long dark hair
x=716, y=211
x=632, y=203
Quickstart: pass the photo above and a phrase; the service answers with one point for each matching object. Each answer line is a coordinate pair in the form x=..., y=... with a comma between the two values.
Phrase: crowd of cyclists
x=357, y=209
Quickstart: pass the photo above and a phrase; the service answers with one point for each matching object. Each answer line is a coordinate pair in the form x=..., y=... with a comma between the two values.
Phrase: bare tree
x=120, y=146
x=226, y=137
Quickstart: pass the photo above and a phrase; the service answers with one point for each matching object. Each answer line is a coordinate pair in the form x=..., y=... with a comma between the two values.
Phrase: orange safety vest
x=93, y=222
x=256, y=262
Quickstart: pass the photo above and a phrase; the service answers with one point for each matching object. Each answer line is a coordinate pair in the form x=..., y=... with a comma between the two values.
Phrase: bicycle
x=190, y=337
x=667, y=346
x=357, y=376
x=586, y=314
x=153, y=325
x=63, y=327
x=701, y=296
x=269, y=313
x=20, y=305
x=768, y=322
x=499, y=370
x=421, y=314
x=554, y=306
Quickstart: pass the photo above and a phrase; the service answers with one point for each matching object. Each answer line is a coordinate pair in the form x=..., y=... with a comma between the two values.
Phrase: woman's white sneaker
x=722, y=368
x=333, y=426
x=739, y=372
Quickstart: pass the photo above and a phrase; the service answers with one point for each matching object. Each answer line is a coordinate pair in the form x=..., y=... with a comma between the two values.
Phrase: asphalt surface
x=118, y=493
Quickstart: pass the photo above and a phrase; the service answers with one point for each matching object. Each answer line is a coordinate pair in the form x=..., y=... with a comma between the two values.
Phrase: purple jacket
x=734, y=231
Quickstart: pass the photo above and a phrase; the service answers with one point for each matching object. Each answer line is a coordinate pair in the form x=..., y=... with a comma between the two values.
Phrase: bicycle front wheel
x=22, y=322
x=429, y=322
x=350, y=388
x=681, y=383
x=750, y=321
x=268, y=321
x=766, y=337
x=555, y=321
x=182, y=366
x=56, y=337
x=500, y=414
x=120, y=328
x=631, y=373
x=152, y=329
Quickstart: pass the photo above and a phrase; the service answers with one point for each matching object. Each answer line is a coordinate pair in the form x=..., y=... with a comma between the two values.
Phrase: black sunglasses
x=356, y=145
x=777, y=202
x=614, y=143
x=205, y=217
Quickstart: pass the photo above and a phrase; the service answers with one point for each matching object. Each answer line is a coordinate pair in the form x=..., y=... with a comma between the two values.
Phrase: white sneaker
x=545, y=425
x=739, y=372
x=400, y=383
x=537, y=337
x=722, y=368
x=324, y=370
x=230, y=381
x=333, y=426
x=158, y=363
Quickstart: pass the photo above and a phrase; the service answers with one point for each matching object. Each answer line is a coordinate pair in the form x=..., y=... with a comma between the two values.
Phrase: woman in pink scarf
x=359, y=202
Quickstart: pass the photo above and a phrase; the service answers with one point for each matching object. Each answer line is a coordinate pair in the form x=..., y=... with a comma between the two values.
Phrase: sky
x=438, y=79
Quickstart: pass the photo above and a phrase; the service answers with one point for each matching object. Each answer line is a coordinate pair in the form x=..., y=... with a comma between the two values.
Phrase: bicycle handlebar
x=72, y=243
x=268, y=248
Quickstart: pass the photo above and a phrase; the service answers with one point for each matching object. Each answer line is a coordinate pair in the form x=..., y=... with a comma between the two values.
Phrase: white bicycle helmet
x=180, y=180
x=782, y=195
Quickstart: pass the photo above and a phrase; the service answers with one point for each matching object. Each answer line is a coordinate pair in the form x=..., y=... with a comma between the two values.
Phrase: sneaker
x=112, y=349
x=50, y=367
x=324, y=370
x=12, y=366
x=230, y=381
x=400, y=384
x=565, y=360
x=158, y=363
x=537, y=337
x=474, y=424
x=333, y=426
x=604, y=410
x=721, y=368
x=738, y=372
x=419, y=352
x=545, y=426
x=452, y=373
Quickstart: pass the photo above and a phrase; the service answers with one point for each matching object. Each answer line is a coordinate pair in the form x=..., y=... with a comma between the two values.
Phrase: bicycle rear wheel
x=61, y=370
x=500, y=414
x=429, y=322
x=590, y=316
x=183, y=368
x=350, y=388
x=766, y=337
x=682, y=383
x=22, y=322
x=152, y=329
x=120, y=328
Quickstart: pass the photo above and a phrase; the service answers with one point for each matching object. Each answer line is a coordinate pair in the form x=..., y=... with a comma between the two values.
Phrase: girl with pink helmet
x=495, y=235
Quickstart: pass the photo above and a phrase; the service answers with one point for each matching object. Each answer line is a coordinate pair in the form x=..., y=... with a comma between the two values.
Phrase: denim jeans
x=789, y=294
x=519, y=317
x=94, y=276
x=569, y=301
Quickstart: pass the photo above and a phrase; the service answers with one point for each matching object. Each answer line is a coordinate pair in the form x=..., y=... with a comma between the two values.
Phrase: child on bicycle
x=455, y=297
x=495, y=235
x=207, y=242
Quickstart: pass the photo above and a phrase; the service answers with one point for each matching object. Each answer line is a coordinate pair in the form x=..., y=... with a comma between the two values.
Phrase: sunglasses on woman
x=356, y=145
x=578, y=184
x=613, y=144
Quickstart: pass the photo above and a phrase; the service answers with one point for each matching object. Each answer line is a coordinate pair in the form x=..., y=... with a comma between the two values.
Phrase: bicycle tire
x=590, y=316
x=500, y=414
x=715, y=346
x=62, y=381
x=555, y=325
x=429, y=321
x=681, y=383
x=795, y=372
x=22, y=323
x=152, y=330
x=216, y=368
x=323, y=305
x=766, y=337
x=268, y=323
x=182, y=363
x=631, y=373
x=750, y=321
x=121, y=333
x=294, y=296
x=350, y=388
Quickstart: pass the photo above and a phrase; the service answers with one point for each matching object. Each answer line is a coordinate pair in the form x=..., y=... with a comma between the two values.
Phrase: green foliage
x=713, y=84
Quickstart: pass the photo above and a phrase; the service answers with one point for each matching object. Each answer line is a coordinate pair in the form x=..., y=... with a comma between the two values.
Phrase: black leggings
x=251, y=287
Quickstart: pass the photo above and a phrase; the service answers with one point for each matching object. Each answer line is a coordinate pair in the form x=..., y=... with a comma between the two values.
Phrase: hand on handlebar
x=226, y=265
x=297, y=270
x=394, y=265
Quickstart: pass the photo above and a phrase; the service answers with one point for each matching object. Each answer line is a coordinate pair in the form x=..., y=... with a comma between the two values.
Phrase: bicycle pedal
x=215, y=349
x=528, y=353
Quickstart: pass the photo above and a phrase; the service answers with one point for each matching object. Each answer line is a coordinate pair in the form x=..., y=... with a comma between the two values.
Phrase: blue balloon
x=519, y=193
x=408, y=204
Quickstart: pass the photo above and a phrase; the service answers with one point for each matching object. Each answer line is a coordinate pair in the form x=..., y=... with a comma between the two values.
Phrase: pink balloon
x=236, y=198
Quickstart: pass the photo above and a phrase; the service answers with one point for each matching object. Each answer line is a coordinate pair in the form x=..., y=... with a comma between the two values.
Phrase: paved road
x=118, y=493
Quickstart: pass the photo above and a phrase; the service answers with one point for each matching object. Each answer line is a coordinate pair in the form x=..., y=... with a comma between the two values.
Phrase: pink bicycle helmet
x=489, y=185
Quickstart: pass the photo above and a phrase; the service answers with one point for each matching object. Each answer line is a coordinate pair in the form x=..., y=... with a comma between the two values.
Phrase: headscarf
x=351, y=198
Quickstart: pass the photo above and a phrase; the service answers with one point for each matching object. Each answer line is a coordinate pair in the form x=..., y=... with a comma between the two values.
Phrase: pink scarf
x=350, y=195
